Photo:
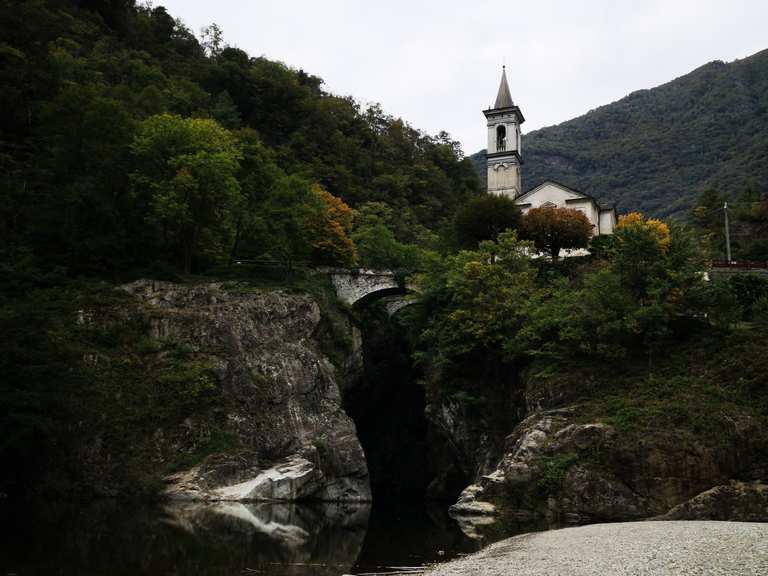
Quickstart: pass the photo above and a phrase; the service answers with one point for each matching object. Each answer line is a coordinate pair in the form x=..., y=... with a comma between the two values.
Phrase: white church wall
x=550, y=194
x=607, y=221
x=587, y=207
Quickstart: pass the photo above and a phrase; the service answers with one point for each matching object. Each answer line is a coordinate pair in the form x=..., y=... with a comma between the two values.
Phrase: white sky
x=437, y=63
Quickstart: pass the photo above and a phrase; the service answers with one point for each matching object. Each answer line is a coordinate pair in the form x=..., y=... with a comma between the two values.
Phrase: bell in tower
x=504, y=155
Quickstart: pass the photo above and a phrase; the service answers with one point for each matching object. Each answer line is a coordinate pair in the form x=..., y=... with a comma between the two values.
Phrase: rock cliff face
x=280, y=394
x=561, y=469
x=460, y=447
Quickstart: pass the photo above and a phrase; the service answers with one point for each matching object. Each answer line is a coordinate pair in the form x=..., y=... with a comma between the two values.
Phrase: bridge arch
x=359, y=286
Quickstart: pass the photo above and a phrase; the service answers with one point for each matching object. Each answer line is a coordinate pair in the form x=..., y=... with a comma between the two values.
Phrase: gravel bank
x=625, y=549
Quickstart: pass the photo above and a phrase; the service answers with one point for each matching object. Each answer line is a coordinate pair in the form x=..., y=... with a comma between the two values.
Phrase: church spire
x=504, y=152
x=503, y=98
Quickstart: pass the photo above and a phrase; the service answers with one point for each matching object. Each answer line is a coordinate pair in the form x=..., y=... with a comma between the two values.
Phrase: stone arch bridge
x=357, y=286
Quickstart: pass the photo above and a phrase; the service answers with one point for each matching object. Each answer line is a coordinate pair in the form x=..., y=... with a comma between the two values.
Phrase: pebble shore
x=687, y=548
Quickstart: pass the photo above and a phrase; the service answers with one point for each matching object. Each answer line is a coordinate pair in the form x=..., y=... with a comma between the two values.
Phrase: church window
x=548, y=205
x=501, y=138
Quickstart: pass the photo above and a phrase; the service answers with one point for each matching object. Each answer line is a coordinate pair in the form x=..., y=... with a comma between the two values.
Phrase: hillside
x=115, y=111
x=656, y=150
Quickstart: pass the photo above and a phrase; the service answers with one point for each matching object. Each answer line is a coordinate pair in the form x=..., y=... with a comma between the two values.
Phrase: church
x=504, y=159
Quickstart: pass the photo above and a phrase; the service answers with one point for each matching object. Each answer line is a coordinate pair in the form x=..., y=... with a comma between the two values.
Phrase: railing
x=267, y=262
x=740, y=265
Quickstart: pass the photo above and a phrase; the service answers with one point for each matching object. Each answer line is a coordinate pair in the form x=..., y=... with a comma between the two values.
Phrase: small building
x=556, y=195
x=505, y=158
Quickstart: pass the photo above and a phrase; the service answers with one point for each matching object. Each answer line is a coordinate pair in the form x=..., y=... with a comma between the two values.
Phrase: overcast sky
x=437, y=63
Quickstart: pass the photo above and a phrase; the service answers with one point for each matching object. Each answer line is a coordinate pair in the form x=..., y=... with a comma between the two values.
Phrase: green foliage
x=131, y=147
x=378, y=248
x=84, y=391
x=630, y=303
x=720, y=303
x=484, y=218
x=554, y=469
x=188, y=169
x=492, y=306
x=479, y=299
x=225, y=112
x=748, y=224
x=281, y=231
x=702, y=387
x=707, y=217
x=760, y=311
x=747, y=290
x=602, y=247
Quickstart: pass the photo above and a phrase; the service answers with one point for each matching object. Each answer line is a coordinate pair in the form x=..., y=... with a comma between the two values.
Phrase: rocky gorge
x=276, y=394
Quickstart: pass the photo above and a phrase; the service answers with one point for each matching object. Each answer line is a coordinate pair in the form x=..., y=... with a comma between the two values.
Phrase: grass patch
x=554, y=468
x=701, y=390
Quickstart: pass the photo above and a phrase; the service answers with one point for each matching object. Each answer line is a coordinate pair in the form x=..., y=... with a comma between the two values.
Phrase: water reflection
x=319, y=539
x=215, y=539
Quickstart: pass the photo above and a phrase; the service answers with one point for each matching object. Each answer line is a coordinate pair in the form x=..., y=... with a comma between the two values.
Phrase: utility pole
x=727, y=234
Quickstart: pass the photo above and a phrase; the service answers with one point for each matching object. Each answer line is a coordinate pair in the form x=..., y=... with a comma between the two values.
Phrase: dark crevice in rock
x=388, y=407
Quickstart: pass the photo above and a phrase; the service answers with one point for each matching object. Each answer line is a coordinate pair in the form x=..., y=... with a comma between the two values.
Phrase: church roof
x=503, y=98
x=532, y=191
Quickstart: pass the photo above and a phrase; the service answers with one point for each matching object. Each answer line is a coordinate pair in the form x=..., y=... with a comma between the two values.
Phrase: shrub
x=484, y=218
x=760, y=311
x=554, y=229
x=748, y=289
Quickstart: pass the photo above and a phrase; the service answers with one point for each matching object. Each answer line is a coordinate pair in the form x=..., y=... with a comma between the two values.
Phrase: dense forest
x=128, y=144
x=656, y=150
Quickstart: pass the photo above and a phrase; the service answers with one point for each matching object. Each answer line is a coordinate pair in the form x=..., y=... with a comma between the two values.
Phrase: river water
x=114, y=538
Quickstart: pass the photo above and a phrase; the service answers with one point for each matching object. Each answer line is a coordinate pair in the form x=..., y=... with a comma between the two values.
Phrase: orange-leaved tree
x=656, y=229
x=642, y=247
x=553, y=229
x=331, y=227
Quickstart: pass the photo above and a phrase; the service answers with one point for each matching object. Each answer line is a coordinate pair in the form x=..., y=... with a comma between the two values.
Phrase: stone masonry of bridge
x=354, y=285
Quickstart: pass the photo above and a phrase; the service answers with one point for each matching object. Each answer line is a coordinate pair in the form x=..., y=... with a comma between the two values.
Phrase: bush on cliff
x=646, y=293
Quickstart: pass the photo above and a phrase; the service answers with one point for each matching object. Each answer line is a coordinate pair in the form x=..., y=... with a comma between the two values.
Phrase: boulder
x=470, y=503
x=563, y=470
x=740, y=501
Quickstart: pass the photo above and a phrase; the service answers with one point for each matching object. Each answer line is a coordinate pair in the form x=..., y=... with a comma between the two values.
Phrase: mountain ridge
x=657, y=149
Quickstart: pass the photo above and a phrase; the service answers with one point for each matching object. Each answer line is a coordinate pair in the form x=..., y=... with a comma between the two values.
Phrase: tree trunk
x=189, y=249
x=236, y=244
x=555, y=253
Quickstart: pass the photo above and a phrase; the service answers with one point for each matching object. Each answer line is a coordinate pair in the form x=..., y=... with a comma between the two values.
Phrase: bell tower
x=504, y=154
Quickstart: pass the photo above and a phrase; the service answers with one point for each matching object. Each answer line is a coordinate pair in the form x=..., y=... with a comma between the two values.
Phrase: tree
x=225, y=112
x=188, y=168
x=656, y=230
x=484, y=218
x=479, y=299
x=707, y=216
x=212, y=40
x=378, y=248
x=331, y=243
x=641, y=247
x=553, y=229
x=289, y=221
x=750, y=233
